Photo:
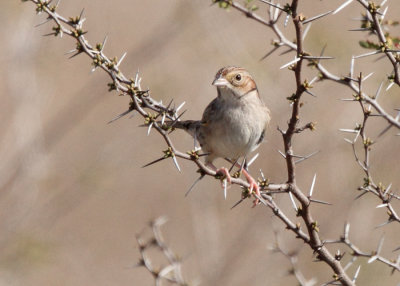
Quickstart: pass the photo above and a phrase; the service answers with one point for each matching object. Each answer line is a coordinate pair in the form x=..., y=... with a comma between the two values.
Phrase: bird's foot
x=254, y=188
x=224, y=171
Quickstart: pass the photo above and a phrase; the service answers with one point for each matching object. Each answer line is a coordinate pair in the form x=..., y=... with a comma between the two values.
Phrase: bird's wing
x=211, y=111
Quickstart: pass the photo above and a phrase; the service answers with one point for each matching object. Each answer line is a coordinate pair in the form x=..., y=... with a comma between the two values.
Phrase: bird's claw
x=224, y=171
x=254, y=189
x=254, y=186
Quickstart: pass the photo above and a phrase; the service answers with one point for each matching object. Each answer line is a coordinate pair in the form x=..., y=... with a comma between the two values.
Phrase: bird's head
x=235, y=81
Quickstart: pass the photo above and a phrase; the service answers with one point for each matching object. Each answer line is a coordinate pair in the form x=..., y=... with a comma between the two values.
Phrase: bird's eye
x=238, y=77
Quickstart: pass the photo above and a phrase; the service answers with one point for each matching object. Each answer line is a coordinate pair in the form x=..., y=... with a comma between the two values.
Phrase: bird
x=233, y=124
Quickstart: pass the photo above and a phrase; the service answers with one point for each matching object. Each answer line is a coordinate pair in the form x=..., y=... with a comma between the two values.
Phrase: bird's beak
x=220, y=82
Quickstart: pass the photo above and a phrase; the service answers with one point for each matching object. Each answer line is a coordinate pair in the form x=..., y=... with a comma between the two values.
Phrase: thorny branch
x=369, y=186
x=155, y=113
x=383, y=193
x=304, y=211
x=171, y=272
x=379, y=190
x=293, y=258
x=356, y=252
x=375, y=18
x=372, y=23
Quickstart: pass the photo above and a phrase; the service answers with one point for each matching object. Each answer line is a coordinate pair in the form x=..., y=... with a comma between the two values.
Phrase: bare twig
x=172, y=272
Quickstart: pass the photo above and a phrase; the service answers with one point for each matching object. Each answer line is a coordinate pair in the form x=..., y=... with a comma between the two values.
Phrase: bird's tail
x=190, y=126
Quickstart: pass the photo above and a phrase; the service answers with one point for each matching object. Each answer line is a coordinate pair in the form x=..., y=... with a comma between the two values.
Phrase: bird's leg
x=253, y=183
x=253, y=187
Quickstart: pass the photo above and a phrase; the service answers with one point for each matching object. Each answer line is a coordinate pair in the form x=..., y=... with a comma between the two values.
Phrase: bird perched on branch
x=233, y=124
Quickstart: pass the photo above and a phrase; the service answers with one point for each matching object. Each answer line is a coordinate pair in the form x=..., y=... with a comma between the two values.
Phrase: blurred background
x=73, y=193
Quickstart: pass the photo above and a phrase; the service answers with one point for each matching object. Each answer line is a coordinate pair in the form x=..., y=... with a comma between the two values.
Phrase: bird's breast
x=235, y=132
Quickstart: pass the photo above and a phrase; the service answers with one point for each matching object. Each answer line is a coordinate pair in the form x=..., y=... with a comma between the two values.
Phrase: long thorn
x=382, y=205
x=169, y=104
x=360, y=195
x=352, y=67
x=356, y=274
x=348, y=130
x=225, y=185
x=360, y=30
x=378, y=91
x=383, y=224
x=342, y=7
x=387, y=189
x=312, y=186
x=81, y=14
x=70, y=52
x=290, y=63
x=283, y=155
x=384, y=131
x=194, y=184
x=293, y=202
x=177, y=119
x=262, y=175
x=122, y=58
x=320, y=202
x=368, y=54
x=176, y=163
x=44, y=22
x=120, y=115
x=104, y=43
x=155, y=161
x=286, y=52
x=149, y=128
x=310, y=93
x=367, y=76
x=316, y=17
x=180, y=106
x=286, y=20
x=233, y=165
x=163, y=118
x=58, y=3
x=317, y=58
x=74, y=55
x=390, y=86
x=306, y=30
x=236, y=204
x=384, y=12
x=251, y=161
x=307, y=157
x=314, y=80
x=380, y=245
x=346, y=231
x=270, y=53
x=273, y=5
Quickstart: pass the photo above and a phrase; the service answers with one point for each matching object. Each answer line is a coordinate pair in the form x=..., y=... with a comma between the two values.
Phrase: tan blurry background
x=73, y=193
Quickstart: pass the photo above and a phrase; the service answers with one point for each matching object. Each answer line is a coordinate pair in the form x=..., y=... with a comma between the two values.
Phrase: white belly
x=235, y=134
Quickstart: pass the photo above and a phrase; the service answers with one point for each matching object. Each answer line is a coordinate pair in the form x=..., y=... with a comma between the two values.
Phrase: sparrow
x=233, y=125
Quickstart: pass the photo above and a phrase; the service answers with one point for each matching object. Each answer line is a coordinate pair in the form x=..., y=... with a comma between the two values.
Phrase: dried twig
x=172, y=272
